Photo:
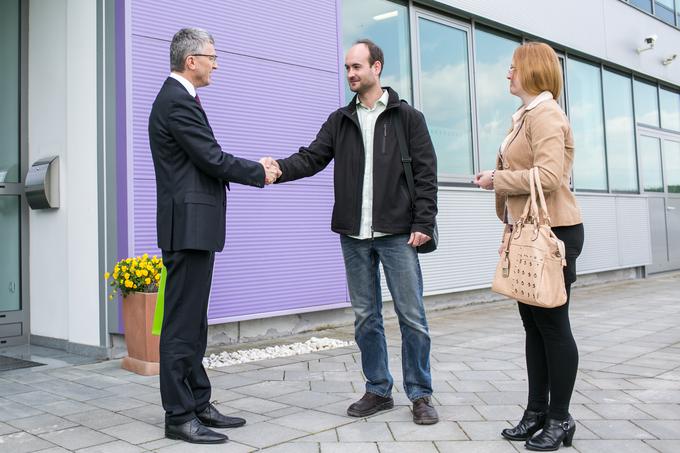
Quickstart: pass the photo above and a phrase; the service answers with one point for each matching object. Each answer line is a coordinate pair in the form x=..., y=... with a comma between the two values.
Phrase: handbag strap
x=541, y=196
x=405, y=156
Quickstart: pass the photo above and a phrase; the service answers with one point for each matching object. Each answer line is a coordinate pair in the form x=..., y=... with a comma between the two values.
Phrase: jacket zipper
x=384, y=137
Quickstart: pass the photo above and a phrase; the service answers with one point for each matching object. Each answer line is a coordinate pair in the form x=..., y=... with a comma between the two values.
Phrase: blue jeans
x=405, y=282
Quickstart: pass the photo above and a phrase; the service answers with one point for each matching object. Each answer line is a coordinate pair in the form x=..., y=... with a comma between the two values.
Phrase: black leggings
x=551, y=353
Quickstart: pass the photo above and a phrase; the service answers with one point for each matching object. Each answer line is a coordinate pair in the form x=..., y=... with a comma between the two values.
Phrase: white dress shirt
x=367, y=118
x=185, y=83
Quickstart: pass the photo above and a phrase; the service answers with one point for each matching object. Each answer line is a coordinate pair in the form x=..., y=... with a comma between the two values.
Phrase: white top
x=367, y=118
x=516, y=123
x=188, y=85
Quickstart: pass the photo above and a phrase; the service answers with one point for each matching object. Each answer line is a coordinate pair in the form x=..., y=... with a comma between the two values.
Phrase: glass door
x=13, y=313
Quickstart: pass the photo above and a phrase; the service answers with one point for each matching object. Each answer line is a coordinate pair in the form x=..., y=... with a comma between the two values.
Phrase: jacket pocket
x=200, y=198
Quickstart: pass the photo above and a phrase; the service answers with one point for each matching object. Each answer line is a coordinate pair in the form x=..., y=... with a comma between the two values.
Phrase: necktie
x=198, y=100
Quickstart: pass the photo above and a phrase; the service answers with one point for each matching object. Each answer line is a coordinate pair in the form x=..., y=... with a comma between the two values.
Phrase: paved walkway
x=627, y=396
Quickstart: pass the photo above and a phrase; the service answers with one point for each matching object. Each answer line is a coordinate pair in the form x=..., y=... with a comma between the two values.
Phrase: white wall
x=607, y=29
x=62, y=110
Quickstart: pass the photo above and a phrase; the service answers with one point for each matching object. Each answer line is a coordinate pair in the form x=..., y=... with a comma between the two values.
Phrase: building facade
x=84, y=74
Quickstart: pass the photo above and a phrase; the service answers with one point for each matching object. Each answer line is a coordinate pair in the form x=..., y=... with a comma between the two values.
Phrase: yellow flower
x=145, y=256
x=115, y=275
x=128, y=283
x=124, y=268
x=126, y=275
x=157, y=277
x=145, y=272
x=106, y=276
x=147, y=280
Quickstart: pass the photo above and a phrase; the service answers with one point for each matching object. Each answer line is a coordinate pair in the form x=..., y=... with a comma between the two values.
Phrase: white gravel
x=250, y=355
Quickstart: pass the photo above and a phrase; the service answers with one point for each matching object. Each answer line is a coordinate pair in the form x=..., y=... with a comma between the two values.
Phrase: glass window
x=495, y=104
x=9, y=92
x=663, y=9
x=445, y=94
x=669, y=102
x=645, y=5
x=650, y=162
x=10, y=264
x=386, y=24
x=671, y=154
x=646, y=103
x=677, y=13
x=620, y=132
x=585, y=111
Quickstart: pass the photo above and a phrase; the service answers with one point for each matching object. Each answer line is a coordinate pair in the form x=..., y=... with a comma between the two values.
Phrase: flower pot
x=143, y=347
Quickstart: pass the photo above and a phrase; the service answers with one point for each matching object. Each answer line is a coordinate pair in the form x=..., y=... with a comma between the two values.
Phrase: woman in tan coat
x=541, y=137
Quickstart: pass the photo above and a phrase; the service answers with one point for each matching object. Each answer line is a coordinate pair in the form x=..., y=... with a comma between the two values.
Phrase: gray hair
x=186, y=42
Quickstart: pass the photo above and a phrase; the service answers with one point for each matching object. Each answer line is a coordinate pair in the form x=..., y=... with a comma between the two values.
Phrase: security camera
x=649, y=43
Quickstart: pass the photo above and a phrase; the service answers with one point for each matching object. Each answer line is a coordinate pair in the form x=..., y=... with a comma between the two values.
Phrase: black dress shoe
x=369, y=404
x=192, y=431
x=554, y=433
x=531, y=422
x=211, y=417
x=424, y=412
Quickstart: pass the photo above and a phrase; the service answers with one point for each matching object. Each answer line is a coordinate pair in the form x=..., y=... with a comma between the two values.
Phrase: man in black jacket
x=379, y=223
x=191, y=174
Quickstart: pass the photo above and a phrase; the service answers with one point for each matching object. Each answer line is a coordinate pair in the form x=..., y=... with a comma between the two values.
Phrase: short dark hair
x=375, y=52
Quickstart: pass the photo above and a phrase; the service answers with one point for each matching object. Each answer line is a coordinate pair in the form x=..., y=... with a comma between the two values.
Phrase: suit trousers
x=185, y=387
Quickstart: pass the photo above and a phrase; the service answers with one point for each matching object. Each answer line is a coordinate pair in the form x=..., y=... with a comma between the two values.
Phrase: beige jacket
x=544, y=140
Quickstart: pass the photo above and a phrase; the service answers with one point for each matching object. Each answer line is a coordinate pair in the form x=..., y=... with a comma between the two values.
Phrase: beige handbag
x=530, y=269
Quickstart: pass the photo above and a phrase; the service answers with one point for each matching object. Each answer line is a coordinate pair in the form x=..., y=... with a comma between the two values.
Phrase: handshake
x=271, y=170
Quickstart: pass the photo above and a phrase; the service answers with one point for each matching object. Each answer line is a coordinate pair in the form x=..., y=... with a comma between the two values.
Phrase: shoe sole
x=382, y=407
x=425, y=421
x=175, y=437
x=233, y=425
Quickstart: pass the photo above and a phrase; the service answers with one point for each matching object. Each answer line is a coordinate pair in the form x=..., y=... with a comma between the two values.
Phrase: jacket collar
x=351, y=109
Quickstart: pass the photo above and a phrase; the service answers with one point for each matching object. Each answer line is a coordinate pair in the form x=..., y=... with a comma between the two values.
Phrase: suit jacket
x=544, y=140
x=191, y=173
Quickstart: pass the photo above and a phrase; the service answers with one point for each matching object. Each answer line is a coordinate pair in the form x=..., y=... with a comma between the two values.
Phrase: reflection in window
x=645, y=5
x=10, y=264
x=445, y=94
x=664, y=11
x=495, y=104
x=386, y=24
x=585, y=110
x=669, y=102
x=650, y=161
x=9, y=92
x=671, y=154
x=620, y=132
x=646, y=103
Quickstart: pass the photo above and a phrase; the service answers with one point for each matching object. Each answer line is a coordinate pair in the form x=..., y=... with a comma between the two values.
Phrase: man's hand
x=271, y=169
x=417, y=239
x=484, y=179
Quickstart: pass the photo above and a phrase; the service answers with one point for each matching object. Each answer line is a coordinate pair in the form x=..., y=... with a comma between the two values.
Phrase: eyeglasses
x=511, y=68
x=213, y=58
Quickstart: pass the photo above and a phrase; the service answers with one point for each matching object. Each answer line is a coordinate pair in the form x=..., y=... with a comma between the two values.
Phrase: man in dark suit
x=191, y=174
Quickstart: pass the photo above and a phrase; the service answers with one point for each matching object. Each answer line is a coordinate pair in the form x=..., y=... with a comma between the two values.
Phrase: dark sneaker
x=369, y=404
x=424, y=412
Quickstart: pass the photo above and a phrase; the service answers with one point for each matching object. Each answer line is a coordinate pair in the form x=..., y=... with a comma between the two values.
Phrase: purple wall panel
x=269, y=96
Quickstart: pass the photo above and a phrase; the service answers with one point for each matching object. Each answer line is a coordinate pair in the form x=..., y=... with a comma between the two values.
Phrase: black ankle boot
x=554, y=433
x=530, y=423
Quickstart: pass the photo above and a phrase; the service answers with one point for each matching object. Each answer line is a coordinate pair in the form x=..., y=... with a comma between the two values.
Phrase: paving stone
x=656, y=396
x=665, y=446
x=35, y=399
x=265, y=434
x=500, y=412
x=7, y=429
x=324, y=436
x=229, y=447
x=616, y=429
x=477, y=446
x=619, y=411
x=257, y=405
x=135, y=432
x=76, y=438
x=362, y=431
x=41, y=423
x=490, y=430
x=618, y=446
x=331, y=386
x=116, y=403
x=308, y=399
x=354, y=447
x=98, y=418
x=10, y=410
x=409, y=431
x=272, y=389
x=293, y=448
x=23, y=442
x=118, y=446
x=151, y=414
x=662, y=429
x=312, y=421
x=407, y=447
x=661, y=411
x=66, y=407
x=448, y=398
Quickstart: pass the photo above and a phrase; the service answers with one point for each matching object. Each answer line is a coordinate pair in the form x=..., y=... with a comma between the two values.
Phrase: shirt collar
x=185, y=83
x=382, y=99
x=544, y=96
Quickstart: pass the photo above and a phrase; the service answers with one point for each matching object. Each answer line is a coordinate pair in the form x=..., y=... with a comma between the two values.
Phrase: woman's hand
x=484, y=179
